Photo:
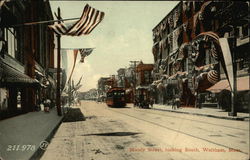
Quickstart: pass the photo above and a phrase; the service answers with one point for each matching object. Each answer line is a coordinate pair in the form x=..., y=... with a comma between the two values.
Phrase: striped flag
x=2, y=2
x=85, y=52
x=88, y=21
x=213, y=76
x=74, y=63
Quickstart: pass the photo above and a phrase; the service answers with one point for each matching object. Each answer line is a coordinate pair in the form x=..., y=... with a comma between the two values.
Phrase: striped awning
x=242, y=85
x=213, y=76
x=11, y=76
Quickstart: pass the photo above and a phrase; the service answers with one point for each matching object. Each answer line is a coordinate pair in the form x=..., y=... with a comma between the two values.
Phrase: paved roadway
x=145, y=134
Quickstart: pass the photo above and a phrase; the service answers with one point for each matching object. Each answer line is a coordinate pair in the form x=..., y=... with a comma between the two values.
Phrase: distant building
x=102, y=88
x=143, y=74
x=91, y=94
x=112, y=81
x=121, y=77
x=129, y=84
x=143, y=80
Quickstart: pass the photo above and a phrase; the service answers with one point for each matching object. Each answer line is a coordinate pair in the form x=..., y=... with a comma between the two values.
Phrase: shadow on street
x=113, y=134
x=74, y=115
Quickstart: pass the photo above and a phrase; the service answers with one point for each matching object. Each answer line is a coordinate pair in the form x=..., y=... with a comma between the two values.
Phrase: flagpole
x=42, y=22
x=74, y=48
x=58, y=91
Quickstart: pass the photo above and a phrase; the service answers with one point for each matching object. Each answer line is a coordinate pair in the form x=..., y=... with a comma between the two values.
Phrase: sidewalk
x=20, y=136
x=208, y=112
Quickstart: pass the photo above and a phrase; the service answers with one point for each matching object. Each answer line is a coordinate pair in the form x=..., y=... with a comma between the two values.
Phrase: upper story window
x=11, y=39
x=147, y=77
x=244, y=31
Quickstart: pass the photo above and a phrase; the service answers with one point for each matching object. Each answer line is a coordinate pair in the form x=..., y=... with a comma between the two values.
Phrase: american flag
x=74, y=63
x=88, y=21
x=2, y=2
x=85, y=52
x=213, y=76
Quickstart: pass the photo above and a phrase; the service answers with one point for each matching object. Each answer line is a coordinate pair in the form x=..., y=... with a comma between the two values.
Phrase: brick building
x=143, y=80
x=188, y=55
x=27, y=53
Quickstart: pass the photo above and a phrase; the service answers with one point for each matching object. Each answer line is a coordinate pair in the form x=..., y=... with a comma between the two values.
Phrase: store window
x=4, y=94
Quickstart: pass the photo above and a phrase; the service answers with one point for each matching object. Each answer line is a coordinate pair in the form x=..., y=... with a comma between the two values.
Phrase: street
x=146, y=134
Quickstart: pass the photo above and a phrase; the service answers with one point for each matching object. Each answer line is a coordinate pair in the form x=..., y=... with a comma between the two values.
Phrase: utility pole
x=234, y=86
x=134, y=63
x=58, y=91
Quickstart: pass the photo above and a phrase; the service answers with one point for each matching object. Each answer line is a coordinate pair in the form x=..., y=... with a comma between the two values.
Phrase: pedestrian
x=47, y=105
x=42, y=105
x=151, y=102
x=37, y=106
x=173, y=103
x=176, y=102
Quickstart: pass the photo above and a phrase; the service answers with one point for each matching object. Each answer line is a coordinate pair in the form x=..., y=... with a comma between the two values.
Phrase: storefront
x=222, y=91
x=16, y=89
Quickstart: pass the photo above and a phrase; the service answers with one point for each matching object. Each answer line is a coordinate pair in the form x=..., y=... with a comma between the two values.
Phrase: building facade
x=129, y=83
x=188, y=55
x=27, y=53
x=143, y=81
x=102, y=88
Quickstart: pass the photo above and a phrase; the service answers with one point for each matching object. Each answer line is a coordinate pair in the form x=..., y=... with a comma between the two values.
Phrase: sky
x=124, y=35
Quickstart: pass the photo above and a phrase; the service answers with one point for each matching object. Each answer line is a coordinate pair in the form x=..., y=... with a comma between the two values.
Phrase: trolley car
x=116, y=97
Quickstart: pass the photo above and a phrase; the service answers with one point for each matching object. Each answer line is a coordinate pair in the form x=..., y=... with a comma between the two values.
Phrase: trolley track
x=198, y=121
x=178, y=131
x=147, y=143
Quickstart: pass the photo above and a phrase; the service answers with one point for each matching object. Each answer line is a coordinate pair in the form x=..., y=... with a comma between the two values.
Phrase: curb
x=39, y=152
x=205, y=115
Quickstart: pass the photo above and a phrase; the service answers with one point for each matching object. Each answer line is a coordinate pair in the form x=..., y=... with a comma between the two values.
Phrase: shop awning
x=242, y=85
x=11, y=76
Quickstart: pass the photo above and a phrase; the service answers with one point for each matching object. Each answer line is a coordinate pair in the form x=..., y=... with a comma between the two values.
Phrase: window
x=147, y=77
x=170, y=69
x=184, y=64
x=10, y=37
x=207, y=58
x=4, y=95
x=240, y=64
x=245, y=31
